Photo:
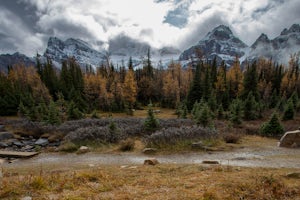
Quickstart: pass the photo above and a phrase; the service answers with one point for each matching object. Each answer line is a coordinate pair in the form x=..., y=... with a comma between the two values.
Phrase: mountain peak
x=221, y=32
x=262, y=39
x=295, y=28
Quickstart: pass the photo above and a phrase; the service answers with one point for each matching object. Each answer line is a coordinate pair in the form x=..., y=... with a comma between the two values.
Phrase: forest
x=203, y=90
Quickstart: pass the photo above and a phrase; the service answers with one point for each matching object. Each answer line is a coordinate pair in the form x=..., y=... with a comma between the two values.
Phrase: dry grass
x=152, y=182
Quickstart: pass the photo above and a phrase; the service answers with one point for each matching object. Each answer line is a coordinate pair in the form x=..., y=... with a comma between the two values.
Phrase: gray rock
x=83, y=149
x=149, y=150
x=151, y=161
x=290, y=139
x=198, y=145
x=3, y=145
x=42, y=142
x=210, y=162
x=26, y=198
x=18, y=144
x=6, y=136
x=2, y=128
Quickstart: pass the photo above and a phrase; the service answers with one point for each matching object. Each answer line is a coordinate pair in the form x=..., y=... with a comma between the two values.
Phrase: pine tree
x=203, y=116
x=236, y=112
x=250, y=82
x=289, y=111
x=53, y=115
x=195, y=92
x=273, y=127
x=251, y=111
x=151, y=123
x=73, y=112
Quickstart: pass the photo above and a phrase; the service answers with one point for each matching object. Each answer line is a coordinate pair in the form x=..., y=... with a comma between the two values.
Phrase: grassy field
x=162, y=181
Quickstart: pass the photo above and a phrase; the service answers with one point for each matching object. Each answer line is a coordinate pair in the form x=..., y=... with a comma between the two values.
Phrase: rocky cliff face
x=280, y=48
x=220, y=43
x=13, y=59
x=58, y=50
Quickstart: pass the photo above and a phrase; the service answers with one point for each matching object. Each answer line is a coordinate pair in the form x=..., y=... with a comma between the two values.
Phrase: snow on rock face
x=120, y=49
x=58, y=50
x=219, y=43
x=222, y=44
x=280, y=48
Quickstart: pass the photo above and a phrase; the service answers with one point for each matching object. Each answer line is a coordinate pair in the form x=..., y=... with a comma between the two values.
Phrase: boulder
x=210, y=162
x=198, y=145
x=2, y=128
x=42, y=142
x=151, y=161
x=6, y=136
x=83, y=149
x=3, y=145
x=290, y=139
x=18, y=143
x=149, y=150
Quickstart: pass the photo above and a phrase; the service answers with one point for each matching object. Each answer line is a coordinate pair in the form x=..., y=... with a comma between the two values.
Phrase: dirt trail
x=269, y=156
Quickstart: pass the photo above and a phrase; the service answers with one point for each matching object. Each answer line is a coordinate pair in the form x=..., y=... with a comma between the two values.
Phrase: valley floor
x=254, y=169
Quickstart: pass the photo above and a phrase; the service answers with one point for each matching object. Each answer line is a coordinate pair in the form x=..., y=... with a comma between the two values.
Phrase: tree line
x=204, y=89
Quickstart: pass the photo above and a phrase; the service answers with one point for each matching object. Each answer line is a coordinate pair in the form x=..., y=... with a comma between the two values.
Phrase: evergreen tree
x=236, y=112
x=151, y=123
x=250, y=82
x=73, y=112
x=273, y=127
x=289, y=111
x=220, y=112
x=251, y=111
x=53, y=115
x=195, y=92
x=203, y=116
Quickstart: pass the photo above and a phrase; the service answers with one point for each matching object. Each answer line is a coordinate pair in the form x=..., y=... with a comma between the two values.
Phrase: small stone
x=198, y=145
x=295, y=175
x=3, y=145
x=2, y=128
x=151, y=161
x=6, y=135
x=26, y=198
x=42, y=142
x=149, y=151
x=211, y=162
x=83, y=149
x=18, y=143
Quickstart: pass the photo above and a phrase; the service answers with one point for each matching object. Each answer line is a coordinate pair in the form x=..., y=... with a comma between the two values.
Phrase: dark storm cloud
x=26, y=25
x=25, y=11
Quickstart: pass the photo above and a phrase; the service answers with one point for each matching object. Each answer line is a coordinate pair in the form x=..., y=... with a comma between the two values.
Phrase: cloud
x=15, y=36
x=179, y=23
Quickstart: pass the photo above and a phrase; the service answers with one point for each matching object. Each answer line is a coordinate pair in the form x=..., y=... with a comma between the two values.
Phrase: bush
x=173, y=136
x=273, y=127
x=231, y=138
x=127, y=145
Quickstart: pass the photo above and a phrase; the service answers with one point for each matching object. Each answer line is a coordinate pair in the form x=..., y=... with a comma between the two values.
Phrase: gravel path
x=270, y=157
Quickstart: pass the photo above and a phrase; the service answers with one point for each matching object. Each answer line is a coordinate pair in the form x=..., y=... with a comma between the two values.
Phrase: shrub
x=173, y=136
x=127, y=145
x=231, y=138
x=273, y=127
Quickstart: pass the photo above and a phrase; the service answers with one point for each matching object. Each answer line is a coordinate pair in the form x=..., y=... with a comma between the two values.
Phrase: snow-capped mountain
x=280, y=48
x=16, y=58
x=58, y=50
x=220, y=43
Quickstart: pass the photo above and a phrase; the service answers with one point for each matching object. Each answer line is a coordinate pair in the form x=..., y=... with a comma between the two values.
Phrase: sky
x=26, y=25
